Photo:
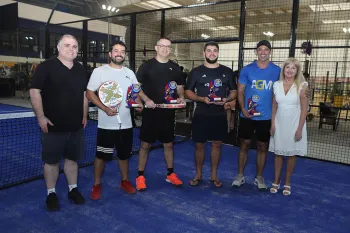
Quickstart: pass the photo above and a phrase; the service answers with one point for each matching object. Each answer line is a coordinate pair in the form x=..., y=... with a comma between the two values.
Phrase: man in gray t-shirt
x=114, y=126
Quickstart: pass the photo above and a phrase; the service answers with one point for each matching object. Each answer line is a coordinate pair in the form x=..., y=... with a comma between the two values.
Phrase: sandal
x=195, y=182
x=274, y=188
x=217, y=183
x=286, y=190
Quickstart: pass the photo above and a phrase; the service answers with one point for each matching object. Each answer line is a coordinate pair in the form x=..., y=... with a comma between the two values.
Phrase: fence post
x=132, y=56
x=162, y=24
x=85, y=43
x=293, y=28
x=241, y=34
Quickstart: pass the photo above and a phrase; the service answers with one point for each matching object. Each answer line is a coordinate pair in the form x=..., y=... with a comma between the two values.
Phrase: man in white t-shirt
x=112, y=132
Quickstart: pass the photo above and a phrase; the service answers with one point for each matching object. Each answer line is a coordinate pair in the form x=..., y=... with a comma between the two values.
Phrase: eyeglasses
x=164, y=46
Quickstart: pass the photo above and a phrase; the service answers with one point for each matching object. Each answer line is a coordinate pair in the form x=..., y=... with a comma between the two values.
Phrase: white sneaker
x=238, y=181
x=259, y=181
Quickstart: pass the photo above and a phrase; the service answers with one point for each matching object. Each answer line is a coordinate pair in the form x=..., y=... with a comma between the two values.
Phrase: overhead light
x=110, y=8
x=205, y=36
x=270, y=34
x=31, y=38
x=346, y=30
x=27, y=37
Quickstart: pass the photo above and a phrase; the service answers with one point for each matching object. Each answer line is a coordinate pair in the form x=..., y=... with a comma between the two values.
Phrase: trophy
x=214, y=86
x=132, y=93
x=252, y=104
x=170, y=93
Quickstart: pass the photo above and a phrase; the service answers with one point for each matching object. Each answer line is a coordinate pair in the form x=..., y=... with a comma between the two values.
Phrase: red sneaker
x=172, y=178
x=141, y=183
x=96, y=192
x=127, y=187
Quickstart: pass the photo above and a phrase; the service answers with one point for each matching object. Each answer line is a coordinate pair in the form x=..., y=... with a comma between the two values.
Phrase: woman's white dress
x=287, y=121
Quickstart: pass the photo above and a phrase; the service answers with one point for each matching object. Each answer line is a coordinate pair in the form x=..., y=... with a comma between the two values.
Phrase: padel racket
x=169, y=106
x=111, y=95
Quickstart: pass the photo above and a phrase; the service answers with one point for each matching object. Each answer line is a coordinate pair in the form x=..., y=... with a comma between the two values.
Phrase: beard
x=114, y=60
x=211, y=61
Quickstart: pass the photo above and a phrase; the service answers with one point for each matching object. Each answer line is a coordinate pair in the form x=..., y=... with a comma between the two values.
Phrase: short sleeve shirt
x=125, y=78
x=199, y=81
x=62, y=93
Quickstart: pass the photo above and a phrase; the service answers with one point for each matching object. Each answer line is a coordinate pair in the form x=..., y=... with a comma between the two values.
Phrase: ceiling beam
x=52, y=11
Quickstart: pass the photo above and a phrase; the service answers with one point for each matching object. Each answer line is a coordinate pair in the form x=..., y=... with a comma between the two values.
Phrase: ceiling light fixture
x=346, y=30
x=110, y=8
x=269, y=34
x=205, y=36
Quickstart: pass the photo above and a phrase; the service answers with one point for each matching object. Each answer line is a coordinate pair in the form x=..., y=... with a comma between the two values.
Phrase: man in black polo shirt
x=209, y=120
x=58, y=97
x=158, y=124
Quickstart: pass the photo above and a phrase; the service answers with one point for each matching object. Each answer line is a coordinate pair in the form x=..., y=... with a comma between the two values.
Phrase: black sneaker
x=76, y=197
x=52, y=202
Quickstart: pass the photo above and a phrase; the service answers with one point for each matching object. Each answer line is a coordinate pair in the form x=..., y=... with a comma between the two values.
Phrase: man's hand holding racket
x=181, y=101
x=109, y=111
x=150, y=104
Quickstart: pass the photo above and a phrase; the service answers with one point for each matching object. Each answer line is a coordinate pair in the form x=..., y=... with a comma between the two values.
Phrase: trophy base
x=169, y=106
x=256, y=114
x=132, y=105
x=172, y=101
x=215, y=99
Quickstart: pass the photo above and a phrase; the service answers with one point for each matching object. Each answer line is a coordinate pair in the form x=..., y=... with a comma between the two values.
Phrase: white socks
x=54, y=189
x=72, y=186
x=51, y=191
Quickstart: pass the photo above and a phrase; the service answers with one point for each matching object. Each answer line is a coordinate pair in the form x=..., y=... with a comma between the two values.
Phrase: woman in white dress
x=288, y=128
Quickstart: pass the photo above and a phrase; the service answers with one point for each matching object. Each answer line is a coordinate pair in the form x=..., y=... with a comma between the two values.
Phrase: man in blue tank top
x=255, y=100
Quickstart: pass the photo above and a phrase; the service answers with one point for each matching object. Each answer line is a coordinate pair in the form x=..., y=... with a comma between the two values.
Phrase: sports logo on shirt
x=262, y=84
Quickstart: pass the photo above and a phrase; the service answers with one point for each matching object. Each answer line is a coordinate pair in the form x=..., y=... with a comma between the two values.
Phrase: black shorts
x=70, y=145
x=209, y=128
x=247, y=127
x=108, y=139
x=158, y=124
